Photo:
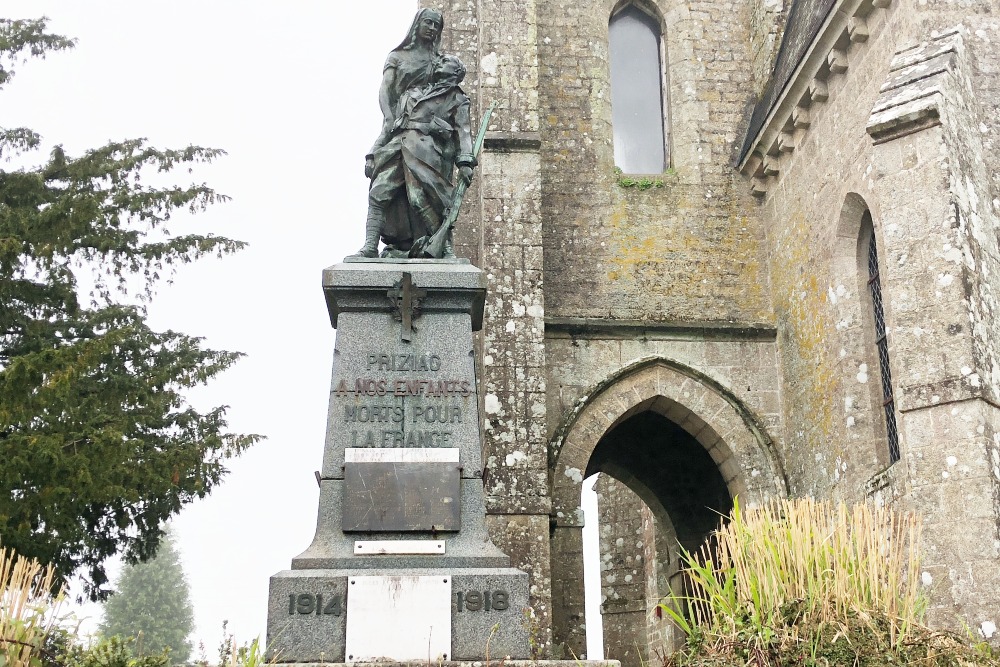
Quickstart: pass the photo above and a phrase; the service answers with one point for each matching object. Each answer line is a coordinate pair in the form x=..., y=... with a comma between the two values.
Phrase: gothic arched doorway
x=682, y=444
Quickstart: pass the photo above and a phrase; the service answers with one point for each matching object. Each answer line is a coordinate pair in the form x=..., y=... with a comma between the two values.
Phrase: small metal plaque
x=416, y=610
x=401, y=496
x=399, y=547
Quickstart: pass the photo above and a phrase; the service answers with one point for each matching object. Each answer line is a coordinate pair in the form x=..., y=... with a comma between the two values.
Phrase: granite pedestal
x=401, y=567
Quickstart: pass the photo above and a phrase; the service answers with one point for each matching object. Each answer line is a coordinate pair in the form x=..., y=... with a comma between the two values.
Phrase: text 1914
x=307, y=603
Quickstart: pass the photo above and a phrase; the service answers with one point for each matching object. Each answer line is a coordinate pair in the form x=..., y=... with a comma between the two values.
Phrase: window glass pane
x=881, y=343
x=636, y=92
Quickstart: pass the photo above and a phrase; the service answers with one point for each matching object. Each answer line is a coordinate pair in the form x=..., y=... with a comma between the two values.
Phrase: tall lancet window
x=881, y=342
x=635, y=52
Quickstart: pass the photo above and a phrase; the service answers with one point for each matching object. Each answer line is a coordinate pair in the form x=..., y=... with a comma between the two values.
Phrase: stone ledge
x=512, y=142
x=911, y=98
x=628, y=607
x=631, y=329
x=362, y=286
x=519, y=505
x=914, y=116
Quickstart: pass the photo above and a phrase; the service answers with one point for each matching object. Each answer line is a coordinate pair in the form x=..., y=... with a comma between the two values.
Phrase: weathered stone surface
x=315, y=637
x=404, y=363
x=303, y=637
x=623, y=548
x=736, y=303
x=502, y=632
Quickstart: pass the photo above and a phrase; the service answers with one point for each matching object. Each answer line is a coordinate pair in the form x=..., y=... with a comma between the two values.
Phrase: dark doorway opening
x=681, y=495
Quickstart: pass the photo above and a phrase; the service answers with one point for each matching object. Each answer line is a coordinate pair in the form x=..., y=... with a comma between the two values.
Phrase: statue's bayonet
x=433, y=245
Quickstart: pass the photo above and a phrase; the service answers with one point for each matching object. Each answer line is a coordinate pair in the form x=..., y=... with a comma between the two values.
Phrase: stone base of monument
x=401, y=568
x=372, y=615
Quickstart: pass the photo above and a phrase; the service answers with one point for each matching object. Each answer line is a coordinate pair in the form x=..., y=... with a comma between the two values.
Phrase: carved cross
x=405, y=300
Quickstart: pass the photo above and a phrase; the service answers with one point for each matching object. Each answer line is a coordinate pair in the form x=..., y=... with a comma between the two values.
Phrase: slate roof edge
x=832, y=29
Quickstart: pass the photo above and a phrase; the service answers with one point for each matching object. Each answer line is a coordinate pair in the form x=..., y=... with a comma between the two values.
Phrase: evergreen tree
x=98, y=446
x=152, y=606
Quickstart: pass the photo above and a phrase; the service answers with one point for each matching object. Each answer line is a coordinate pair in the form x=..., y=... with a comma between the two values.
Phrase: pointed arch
x=728, y=430
x=642, y=425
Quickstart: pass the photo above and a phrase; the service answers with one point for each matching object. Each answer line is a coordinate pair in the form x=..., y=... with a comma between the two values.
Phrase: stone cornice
x=512, y=142
x=585, y=327
x=789, y=117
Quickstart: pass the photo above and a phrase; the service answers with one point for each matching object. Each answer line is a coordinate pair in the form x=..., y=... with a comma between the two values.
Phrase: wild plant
x=770, y=570
x=28, y=609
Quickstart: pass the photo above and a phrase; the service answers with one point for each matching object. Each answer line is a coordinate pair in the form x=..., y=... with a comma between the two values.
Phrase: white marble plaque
x=416, y=608
x=398, y=547
x=401, y=455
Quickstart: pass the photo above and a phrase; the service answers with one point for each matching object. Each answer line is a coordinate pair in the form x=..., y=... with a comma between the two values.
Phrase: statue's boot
x=373, y=230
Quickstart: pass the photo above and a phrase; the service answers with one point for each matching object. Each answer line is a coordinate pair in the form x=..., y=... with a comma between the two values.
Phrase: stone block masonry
x=731, y=297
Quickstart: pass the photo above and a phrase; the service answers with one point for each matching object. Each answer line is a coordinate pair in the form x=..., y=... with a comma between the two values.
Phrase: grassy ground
x=854, y=643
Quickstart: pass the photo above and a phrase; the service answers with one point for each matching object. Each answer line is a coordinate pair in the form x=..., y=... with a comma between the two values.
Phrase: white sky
x=289, y=89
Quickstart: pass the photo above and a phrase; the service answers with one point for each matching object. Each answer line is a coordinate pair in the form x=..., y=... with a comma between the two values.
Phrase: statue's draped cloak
x=413, y=169
x=413, y=68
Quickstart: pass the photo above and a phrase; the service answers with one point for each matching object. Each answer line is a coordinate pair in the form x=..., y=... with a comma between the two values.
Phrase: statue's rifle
x=433, y=245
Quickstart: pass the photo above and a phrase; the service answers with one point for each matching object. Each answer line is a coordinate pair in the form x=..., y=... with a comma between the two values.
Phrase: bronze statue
x=411, y=63
x=425, y=137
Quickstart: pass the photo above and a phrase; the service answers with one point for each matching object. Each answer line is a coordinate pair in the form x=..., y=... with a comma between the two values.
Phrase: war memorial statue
x=402, y=566
x=425, y=143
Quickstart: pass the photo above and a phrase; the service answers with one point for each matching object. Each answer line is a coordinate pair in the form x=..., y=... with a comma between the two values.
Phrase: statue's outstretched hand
x=466, y=174
x=369, y=166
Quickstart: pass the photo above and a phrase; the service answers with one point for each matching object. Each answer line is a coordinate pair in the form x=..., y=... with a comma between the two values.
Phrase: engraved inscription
x=404, y=362
x=373, y=413
x=306, y=604
x=403, y=387
x=412, y=438
x=451, y=414
x=482, y=601
x=377, y=410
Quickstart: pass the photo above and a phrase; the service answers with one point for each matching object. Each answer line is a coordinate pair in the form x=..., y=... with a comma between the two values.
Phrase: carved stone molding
x=910, y=99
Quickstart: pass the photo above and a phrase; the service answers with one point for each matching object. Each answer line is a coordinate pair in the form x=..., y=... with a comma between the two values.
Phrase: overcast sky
x=289, y=89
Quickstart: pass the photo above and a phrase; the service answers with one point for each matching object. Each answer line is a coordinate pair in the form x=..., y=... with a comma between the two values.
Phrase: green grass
x=638, y=183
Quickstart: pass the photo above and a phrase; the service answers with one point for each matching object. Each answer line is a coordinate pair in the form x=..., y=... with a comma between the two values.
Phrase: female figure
x=409, y=65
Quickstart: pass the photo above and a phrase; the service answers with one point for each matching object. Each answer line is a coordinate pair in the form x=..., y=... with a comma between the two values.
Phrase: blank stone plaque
x=379, y=607
x=401, y=490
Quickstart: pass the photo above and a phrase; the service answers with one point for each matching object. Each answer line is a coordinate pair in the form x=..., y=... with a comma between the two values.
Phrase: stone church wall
x=830, y=373
x=623, y=572
x=761, y=301
x=686, y=251
x=682, y=253
x=939, y=278
x=638, y=558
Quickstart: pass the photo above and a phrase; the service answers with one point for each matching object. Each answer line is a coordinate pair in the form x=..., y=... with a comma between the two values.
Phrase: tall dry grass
x=28, y=608
x=803, y=562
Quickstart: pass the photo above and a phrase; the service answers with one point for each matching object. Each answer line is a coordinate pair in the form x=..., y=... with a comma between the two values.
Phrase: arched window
x=881, y=342
x=635, y=54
